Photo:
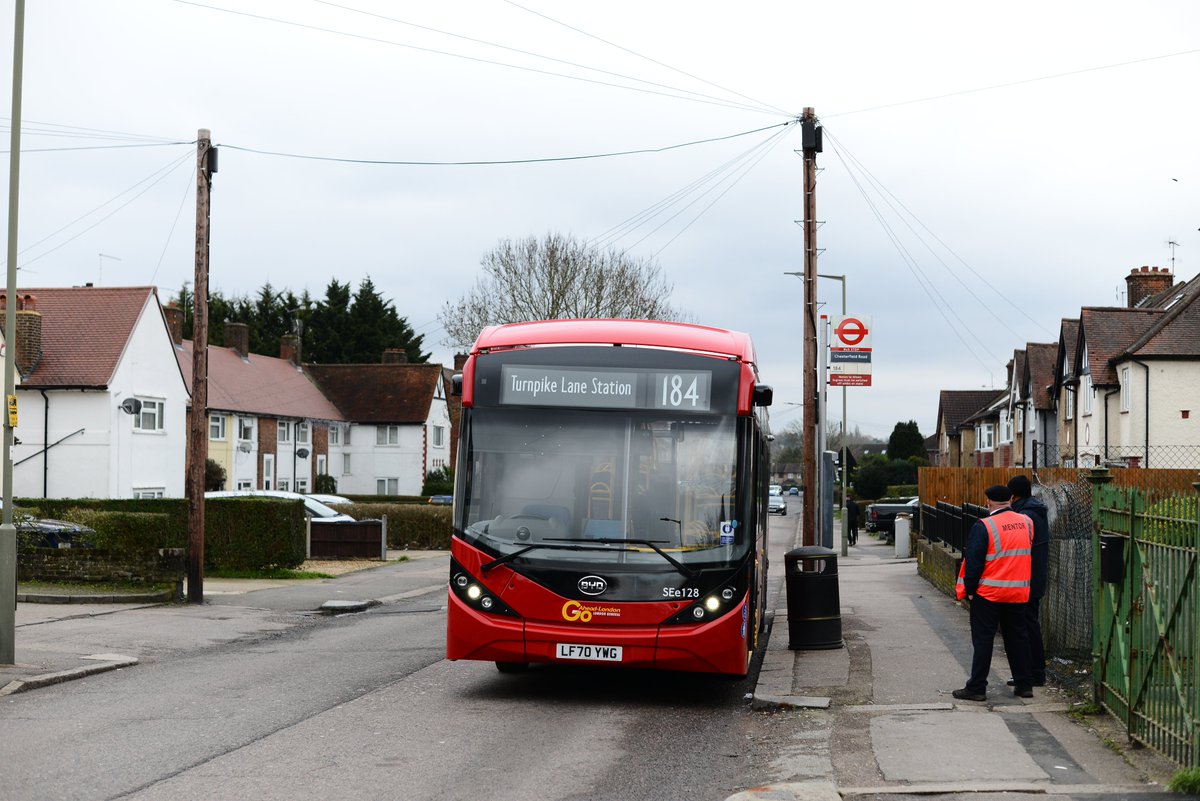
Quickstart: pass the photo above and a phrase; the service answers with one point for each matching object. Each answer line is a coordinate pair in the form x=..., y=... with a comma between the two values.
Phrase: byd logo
x=592, y=585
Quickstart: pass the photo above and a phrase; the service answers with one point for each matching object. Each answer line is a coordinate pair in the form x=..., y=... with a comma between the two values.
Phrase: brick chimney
x=174, y=316
x=1147, y=282
x=29, y=332
x=237, y=338
x=460, y=361
x=395, y=356
x=289, y=348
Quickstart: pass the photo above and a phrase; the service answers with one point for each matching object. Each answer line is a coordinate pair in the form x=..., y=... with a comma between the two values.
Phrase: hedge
x=416, y=526
x=239, y=533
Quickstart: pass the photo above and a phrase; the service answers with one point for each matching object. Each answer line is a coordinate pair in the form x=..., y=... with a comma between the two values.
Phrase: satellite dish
x=131, y=406
x=302, y=453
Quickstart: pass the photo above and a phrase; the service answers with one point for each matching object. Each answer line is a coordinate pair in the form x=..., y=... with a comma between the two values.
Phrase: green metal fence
x=1146, y=606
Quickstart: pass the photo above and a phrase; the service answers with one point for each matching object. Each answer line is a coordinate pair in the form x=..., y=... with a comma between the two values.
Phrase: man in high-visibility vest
x=994, y=577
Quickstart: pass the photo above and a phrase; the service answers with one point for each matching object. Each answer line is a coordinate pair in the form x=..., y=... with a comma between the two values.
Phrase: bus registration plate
x=602, y=653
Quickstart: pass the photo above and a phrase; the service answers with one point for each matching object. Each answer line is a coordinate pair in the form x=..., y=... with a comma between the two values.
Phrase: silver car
x=776, y=504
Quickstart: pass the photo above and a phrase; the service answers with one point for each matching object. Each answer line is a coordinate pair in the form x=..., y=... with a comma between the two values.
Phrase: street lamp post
x=845, y=448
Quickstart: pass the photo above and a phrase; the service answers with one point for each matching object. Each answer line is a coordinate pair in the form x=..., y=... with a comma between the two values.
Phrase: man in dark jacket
x=851, y=521
x=1024, y=502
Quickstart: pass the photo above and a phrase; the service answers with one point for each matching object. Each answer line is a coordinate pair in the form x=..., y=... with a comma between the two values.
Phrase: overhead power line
x=484, y=42
x=500, y=162
x=476, y=59
x=647, y=58
x=1008, y=84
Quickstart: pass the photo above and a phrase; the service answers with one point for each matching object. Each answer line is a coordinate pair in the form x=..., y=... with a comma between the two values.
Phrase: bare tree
x=556, y=278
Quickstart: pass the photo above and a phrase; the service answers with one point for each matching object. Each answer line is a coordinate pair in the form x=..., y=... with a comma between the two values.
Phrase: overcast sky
x=988, y=169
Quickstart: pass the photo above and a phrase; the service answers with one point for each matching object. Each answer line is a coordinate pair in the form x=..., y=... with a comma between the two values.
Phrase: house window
x=1070, y=403
x=285, y=431
x=438, y=464
x=387, y=435
x=302, y=485
x=346, y=439
x=387, y=486
x=147, y=492
x=322, y=465
x=345, y=464
x=438, y=439
x=285, y=485
x=301, y=433
x=268, y=470
x=987, y=435
x=335, y=435
x=245, y=485
x=216, y=427
x=1006, y=433
x=1124, y=389
x=150, y=418
x=246, y=430
x=1087, y=394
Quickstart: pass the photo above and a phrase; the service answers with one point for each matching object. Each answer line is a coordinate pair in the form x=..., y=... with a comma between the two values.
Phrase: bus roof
x=647, y=333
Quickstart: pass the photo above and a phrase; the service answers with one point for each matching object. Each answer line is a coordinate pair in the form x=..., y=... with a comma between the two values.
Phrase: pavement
x=872, y=718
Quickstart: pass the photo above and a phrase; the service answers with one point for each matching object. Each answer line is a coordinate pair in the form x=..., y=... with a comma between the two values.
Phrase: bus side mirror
x=763, y=395
x=456, y=385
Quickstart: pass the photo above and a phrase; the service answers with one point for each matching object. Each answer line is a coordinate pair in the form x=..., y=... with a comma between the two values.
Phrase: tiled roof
x=1017, y=374
x=1068, y=338
x=379, y=393
x=85, y=330
x=1107, y=332
x=956, y=405
x=991, y=409
x=258, y=385
x=1176, y=334
x=1039, y=364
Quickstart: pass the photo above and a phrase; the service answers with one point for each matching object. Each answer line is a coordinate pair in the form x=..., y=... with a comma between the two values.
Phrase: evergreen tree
x=906, y=441
x=329, y=325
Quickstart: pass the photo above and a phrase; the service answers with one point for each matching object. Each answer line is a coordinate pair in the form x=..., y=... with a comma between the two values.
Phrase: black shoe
x=1034, y=683
x=966, y=695
x=1023, y=691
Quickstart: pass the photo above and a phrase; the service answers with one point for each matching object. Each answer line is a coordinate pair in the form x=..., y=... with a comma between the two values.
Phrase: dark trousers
x=1033, y=631
x=986, y=617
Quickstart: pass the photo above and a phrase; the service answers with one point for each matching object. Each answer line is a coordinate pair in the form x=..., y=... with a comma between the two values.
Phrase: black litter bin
x=813, y=605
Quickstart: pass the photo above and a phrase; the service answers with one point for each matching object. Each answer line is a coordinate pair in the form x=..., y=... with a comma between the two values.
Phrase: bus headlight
x=476, y=594
x=712, y=604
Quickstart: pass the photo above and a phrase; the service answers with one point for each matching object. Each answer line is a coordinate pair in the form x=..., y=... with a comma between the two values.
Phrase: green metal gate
x=1146, y=647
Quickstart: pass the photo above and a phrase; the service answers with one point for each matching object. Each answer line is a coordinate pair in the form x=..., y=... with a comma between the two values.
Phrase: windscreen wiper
x=683, y=569
x=508, y=557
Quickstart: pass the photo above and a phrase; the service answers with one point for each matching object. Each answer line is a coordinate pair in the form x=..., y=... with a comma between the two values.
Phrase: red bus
x=610, y=497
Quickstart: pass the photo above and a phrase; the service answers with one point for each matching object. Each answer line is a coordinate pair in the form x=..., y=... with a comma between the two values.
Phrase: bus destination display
x=679, y=390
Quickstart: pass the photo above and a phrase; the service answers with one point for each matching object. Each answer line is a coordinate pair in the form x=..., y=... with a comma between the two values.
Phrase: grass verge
x=272, y=573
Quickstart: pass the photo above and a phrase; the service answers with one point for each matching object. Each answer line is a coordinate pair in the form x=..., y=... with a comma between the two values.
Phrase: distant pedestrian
x=994, y=577
x=1024, y=502
x=851, y=521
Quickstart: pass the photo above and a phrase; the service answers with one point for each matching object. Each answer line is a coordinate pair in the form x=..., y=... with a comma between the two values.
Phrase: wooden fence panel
x=959, y=485
x=363, y=539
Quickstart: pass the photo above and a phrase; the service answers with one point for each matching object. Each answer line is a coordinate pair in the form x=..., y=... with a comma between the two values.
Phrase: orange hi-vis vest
x=1008, y=563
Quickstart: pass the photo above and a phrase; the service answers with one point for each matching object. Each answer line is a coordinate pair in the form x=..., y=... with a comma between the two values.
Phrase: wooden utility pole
x=197, y=431
x=811, y=137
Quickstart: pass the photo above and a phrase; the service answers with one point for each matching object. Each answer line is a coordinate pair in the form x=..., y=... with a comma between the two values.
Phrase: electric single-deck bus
x=610, y=497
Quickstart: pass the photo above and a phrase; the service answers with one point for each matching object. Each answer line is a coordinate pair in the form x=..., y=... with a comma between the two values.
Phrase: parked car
x=881, y=515
x=313, y=508
x=794, y=491
x=48, y=533
x=776, y=504
x=328, y=499
x=441, y=500
x=775, y=489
